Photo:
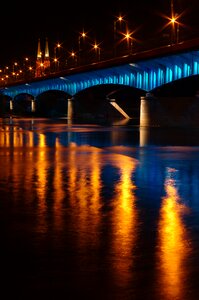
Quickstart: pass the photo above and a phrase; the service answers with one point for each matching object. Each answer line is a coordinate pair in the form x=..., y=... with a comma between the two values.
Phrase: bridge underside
x=102, y=101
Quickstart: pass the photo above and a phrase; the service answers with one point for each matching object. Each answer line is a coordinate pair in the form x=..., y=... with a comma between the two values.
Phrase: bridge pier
x=11, y=105
x=169, y=111
x=70, y=108
x=33, y=106
x=148, y=111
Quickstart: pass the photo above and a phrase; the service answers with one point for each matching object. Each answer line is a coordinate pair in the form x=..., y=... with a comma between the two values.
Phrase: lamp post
x=58, y=45
x=14, y=66
x=74, y=57
x=129, y=40
x=119, y=20
x=177, y=32
x=174, y=25
x=173, y=30
x=25, y=66
x=42, y=69
x=56, y=61
x=97, y=50
x=81, y=36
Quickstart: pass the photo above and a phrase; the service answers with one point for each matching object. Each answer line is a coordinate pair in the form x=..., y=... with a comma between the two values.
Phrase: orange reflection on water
x=84, y=191
x=124, y=219
x=16, y=167
x=4, y=136
x=59, y=192
x=14, y=137
x=30, y=141
x=173, y=245
x=95, y=189
x=42, y=165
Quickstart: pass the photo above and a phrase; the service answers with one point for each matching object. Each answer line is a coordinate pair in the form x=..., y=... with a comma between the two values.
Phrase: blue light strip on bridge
x=145, y=74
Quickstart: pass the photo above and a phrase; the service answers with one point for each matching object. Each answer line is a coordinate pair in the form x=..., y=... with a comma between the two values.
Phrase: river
x=98, y=211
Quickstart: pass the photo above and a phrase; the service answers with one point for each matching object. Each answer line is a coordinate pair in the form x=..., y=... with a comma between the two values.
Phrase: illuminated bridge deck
x=144, y=70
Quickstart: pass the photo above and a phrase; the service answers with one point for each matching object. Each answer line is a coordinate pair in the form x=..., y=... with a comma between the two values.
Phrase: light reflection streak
x=174, y=247
x=58, y=186
x=11, y=142
x=15, y=137
x=84, y=192
x=95, y=189
x=124, y=219
x=30, y=142
x=42, y=182
x=72, y=170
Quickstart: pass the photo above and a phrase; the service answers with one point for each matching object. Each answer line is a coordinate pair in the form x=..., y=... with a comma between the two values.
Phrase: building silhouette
x=43, y=60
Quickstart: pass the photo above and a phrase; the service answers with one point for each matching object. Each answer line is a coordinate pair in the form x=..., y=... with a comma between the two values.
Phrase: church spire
x=39, y=65
x=42, y=62
x=46, y=58
x=39, y=49
x=46, y=49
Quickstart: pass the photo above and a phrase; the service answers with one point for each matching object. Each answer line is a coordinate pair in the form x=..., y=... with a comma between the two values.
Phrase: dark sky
x=61, y=21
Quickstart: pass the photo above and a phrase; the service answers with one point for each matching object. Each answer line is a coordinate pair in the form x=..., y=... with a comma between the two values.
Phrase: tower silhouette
x=46, y=58
x=42, y=63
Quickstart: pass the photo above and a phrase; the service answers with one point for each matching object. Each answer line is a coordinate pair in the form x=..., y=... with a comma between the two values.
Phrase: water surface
x=92, y=211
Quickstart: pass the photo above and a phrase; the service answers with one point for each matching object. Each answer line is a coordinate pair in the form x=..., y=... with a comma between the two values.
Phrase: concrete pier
x=148, y=111
x=169, y=111
x=70, y=108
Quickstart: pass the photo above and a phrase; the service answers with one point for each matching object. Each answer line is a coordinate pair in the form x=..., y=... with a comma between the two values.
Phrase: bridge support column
x=148, y=111
x=70, y=108
x=33, y=107
x=11, y=105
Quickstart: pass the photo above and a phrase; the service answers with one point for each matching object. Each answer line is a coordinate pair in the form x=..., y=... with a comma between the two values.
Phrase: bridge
x=146, y=71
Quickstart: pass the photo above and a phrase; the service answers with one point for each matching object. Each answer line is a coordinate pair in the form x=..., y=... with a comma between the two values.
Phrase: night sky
x=23, y=24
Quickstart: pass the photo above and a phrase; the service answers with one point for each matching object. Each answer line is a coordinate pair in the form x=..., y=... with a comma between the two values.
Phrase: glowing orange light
x=120, y=19
x=83, y=34
x=95, y=46
x=173, y=20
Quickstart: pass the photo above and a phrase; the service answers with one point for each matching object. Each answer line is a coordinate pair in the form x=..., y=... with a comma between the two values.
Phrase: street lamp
x=42, y=69
x=129, y=40
x=56, y=62
x=119, y=20
x=81, y=36
x=174, y=25
x=55, y=49
x=97, y=50
x=15, y=66
x=175, y=29
x=73, y=56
